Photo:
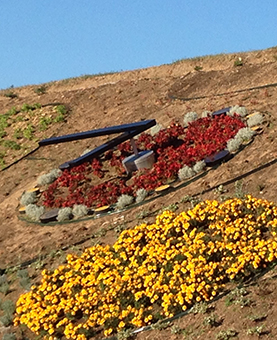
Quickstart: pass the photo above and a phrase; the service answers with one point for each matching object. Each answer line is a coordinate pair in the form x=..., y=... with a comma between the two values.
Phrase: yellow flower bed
x=152, y=271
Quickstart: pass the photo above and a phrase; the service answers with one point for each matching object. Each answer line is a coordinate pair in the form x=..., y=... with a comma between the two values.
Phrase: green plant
x=34, y=212
x=101, y=232
x=44, y=122
x=19, y=119
x=10, y=94
x=160, y=325
x=3, y=133
x=4, y=121
x=61, y=254
x=255, y=330
x=171, y=207
x=237, y=296
x=37, y=105
x=39, y=263
x=64, y=214
x=2, y=162
x=239, y=192
x=186, y=199
x=4, y=285
x=200, y=308
x=61, y=111
x=8, y=308
x=175, y=329
x=141, y=194
x=18, y=134
x=255, y=120
x=119, y=228
x=212, y=321
x=220, y=190
x=233, y=145
x=245, y=134
x=79, y=210
x=28, y=132
x=13, y=111
x=49, y=177
x=123, y=201
x=40, y=89
x=144, y=213
x=28, y=198
x=26, y=107
x=238, y=62
x=190, y=117
x=9, y=336
x=24, y=279
x=260, y=187
x=226, y=335
x=257, y=317
x=198, y=68
x=6, y=320
x=124, y=334
x=239, y=110
x=11, y=145
x=199, y=166
x=186, y=172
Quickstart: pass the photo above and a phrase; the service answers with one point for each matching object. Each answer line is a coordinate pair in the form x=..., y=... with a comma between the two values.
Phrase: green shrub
x=199, y=166
x=11, y=145
x=3, y=133
x=18, y=134
x=206, y=113
x=64, y=214
x=12, y=111
x=123, y=201
x=40, y=89
x=185, y=172
x=8, y=308
x=61, y=111
x=10, y=94
x=9, y=336
x=190, y=117
x=141, y=194
x=198, y=68
x=233, y=144
x=37, y=105
x=34, y=212
x=238, y=62
x=79, y=210
x=245, y=134
x=44, y=122
x=28, y=132
x=28, y=198
x=4, y=285
x=239, y=110
x=26, y=108
x=49, y=177
x=24, y=279
x=255, y=120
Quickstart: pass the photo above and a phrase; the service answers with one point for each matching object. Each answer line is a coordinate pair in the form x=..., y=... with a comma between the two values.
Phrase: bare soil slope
x=163, y=93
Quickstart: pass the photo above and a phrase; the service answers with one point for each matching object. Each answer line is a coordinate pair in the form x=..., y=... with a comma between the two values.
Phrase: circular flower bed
x=153, y=271
x=174, y=148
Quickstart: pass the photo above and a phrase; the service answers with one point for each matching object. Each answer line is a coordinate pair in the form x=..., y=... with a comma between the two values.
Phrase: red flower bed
x=174, y=148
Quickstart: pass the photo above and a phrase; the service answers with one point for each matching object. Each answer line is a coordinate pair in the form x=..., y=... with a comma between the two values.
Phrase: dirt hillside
x=163, y=93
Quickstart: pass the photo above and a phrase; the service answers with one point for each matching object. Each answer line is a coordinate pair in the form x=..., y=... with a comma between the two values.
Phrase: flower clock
x=174, y=148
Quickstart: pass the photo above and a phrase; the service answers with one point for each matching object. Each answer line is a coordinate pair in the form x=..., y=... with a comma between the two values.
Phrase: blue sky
x=42, y=41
